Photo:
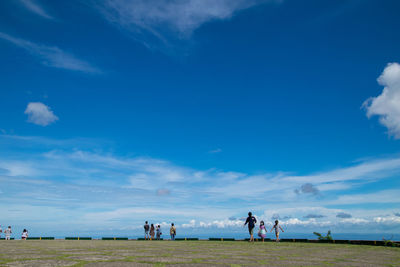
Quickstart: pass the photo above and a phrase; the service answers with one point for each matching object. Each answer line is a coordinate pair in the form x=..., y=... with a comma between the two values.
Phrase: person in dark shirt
x=251, y=222
x=146, y=231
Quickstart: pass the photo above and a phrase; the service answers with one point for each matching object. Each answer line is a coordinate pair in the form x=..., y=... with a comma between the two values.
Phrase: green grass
x=165, y=253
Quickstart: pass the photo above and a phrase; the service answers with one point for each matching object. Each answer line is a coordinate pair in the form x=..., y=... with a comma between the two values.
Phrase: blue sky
x=197, y=111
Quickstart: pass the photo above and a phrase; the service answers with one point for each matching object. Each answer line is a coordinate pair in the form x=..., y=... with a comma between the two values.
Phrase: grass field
x=191, y=253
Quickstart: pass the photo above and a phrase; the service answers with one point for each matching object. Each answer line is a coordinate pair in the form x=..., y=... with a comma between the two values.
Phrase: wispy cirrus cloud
x=34, y=7
x=158, y=22
x=215, y=151
x=52, y=56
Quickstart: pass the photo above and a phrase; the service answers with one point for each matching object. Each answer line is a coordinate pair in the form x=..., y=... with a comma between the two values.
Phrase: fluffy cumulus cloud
x=387, y=105
x=343, y=215
x=51, y=56
x=40, y=114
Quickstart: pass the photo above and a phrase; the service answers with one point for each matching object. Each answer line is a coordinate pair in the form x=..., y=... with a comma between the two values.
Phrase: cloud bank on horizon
x=108, y=191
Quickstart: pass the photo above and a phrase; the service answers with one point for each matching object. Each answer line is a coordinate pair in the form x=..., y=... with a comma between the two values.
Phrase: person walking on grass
x=146, y=230
x=276, y=228
x=251, y=222
x=172, y=231
x=262, y=232
x=8, y=233
x=152, y=232
x=24, y=235
x=158, y=232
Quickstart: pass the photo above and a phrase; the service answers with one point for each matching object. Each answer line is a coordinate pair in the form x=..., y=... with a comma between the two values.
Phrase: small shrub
x=321, y=237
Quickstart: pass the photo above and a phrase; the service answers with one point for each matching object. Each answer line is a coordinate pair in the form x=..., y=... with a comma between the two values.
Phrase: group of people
x=151, y=230
x=8, y=232
x=262, y=233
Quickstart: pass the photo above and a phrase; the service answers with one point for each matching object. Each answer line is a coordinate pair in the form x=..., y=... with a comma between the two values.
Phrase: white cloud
x=51, y=56
x=183, y=16
x=355, y=221
x=34, y=7
x=159, y=21
x=111, y=190
x=387, y=220
x=18, y=168
x=40, y=114
x=314, y=216
x=221, y=223
x=383, y=196
x=387, y=104
x=191, y=224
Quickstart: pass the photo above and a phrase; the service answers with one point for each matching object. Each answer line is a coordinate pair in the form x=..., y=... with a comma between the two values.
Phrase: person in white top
x=24, y=234
x=8, y=233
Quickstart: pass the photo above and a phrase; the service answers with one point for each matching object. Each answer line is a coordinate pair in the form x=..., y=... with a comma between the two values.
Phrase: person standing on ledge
x=158, y=232
x=8, y=233
x=172, y=231
x=152, y=232
x=251, y=221
x=146, y=230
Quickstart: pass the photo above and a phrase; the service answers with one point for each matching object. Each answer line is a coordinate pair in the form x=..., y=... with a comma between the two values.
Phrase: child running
x=152, y=232
x=262, y=232
x=24, y=234
x=276, y=227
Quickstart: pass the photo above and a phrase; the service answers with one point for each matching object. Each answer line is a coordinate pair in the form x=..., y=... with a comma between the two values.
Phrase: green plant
x=327, y=237
x=389, y=242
